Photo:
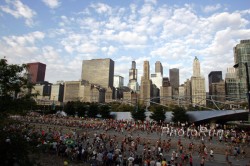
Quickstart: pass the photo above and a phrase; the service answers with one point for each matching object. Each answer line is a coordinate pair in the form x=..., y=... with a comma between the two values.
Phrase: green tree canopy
x=80, y=108
x=158, y=114
x=93, y=110
x=14, y=82
x=139, y=113
x=69, y=108
x=179, y=115
x=13, y=78
x=104, y=111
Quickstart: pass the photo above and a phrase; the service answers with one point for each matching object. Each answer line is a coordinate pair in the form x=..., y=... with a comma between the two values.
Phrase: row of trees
x=85, y=109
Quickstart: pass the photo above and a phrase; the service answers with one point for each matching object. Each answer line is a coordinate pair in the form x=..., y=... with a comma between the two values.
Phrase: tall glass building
x=242, y=60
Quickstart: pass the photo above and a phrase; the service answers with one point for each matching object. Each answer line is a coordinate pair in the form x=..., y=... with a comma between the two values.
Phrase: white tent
x=61, y=113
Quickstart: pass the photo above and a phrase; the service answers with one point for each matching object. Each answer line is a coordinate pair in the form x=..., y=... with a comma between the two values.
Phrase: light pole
x=248, y=87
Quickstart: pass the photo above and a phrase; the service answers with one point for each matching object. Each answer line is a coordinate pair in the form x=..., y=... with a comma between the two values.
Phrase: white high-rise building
x=196, y=67
x=118, y=81
x=157, y=78
x=198, y=90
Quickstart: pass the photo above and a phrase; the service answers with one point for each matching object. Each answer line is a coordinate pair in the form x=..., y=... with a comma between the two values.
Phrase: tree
x=139, y=113
x=13, y=82
x=158, y=114
x=81, y=108
x=93, y=110
x=179, y=115
x=125, y=108
x=104, y=111
x=13, y=79
x=70, y=108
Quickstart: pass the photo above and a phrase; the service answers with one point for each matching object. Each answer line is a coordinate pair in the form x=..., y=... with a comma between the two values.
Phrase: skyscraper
x=188, y=91
x=165, y=92
x=174, y=81
x=146, y=70
x=157, y=77
x=198, y=90
x=214, y=77
x=196, y=67
x=36, y=72
x=231, y=85
x=133, y=72
x=133, y=84
x=118, y=81
x=146, y=84
x=242, y=56
x=158, y=67
x=98, y=71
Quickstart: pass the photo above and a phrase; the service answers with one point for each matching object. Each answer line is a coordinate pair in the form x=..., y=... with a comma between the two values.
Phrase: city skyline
x=61, y=34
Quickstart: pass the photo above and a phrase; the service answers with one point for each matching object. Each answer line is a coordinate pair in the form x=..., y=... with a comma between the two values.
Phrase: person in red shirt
x=190, y=160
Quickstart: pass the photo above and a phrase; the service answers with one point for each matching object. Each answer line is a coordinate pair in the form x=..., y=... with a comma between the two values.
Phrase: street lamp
x=248, y=87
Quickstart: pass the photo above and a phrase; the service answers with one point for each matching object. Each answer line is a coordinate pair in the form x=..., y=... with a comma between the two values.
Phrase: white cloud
x=102, y=8
x=109, y=50
x=208, y=9
x=151, y=1
x=19, y=10
x=170, y=34
x=52, y=3
x=146, y=9
x=130, y=38
x=87, y=48
x=30, y=38
x=223, y=20
x=172, y=51
x=116, y=24
x=50, y=54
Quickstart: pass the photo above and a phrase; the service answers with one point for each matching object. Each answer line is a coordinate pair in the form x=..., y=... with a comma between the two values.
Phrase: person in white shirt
x=158, y=163
x=211, y=154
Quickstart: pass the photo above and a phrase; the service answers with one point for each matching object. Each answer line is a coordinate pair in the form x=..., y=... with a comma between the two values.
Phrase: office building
x=198, y=90
x=73, y=91
x=118, y=81
x=181, y=99
x=57, y=91
x=83, y=91
x=218, y=91
x=158, y=68
x=187, y=92
x=165, y=92
x=157, y=77
x=98, y=71
x=174, y=81
x=36, y=72
x=242, y=57
x=214, y=77
x=133, y=84
x=146, y=85
x=42, y=90
x=231, y=85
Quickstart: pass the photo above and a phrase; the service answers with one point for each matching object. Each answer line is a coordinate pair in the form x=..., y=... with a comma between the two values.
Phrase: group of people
x=126, y=142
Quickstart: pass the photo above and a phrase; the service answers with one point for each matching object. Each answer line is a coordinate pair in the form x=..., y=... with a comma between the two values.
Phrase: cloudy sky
x=62, y=33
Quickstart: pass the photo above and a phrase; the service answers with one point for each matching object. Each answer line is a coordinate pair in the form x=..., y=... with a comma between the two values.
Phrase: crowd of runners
x=126, y=142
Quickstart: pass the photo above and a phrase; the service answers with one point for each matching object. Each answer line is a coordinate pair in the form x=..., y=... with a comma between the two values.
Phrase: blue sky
x=62, y=33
